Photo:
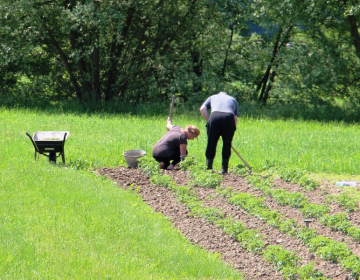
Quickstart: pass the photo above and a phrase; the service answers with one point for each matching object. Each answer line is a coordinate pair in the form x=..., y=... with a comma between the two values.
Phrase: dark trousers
x=175, y=158
x=220, y=124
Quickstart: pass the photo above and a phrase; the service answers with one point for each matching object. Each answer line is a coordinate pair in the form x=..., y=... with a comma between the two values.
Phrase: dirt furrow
x=212, y=239
x=272, y=235
x=294, y=213
x=197, y=230
x=319, y=196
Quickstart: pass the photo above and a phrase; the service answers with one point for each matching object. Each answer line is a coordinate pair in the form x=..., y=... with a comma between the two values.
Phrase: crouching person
x=171, y=148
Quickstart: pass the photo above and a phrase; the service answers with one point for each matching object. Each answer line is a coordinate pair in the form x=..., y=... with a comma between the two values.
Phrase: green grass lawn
x=66, y=222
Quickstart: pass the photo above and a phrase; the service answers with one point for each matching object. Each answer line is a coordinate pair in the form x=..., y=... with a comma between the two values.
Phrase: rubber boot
x=209, y=164
x=224, y=166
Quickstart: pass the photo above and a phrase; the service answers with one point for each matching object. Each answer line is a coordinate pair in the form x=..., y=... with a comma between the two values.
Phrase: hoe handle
x=236, y=152
x=172, y=106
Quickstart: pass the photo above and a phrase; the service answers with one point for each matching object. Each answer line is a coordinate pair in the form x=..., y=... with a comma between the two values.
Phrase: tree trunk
x=354, y=33
x=197, y=68
x=227, y=51
x=64, y=59
x=96, y=73
x=115, y=53
x=266, y=83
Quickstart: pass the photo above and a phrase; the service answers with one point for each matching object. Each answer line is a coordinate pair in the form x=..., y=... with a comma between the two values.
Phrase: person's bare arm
x=182, y=150
x=169, y=124
x=204, y=112
x=182, y=153
x=235, y=119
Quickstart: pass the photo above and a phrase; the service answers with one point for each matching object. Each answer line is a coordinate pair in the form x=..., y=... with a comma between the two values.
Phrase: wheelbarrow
x=50, y=144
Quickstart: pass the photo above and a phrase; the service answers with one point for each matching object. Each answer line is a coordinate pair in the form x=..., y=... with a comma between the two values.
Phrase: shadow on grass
x=325, y=112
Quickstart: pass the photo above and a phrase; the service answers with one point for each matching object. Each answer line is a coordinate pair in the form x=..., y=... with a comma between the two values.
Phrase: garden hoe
x=248, y=166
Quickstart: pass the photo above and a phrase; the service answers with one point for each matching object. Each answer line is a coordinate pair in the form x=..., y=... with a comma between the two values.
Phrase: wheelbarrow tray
x=50, y=141
x=49, y=146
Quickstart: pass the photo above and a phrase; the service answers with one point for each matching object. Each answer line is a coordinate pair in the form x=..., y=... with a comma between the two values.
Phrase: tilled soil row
x=197, y=230
x=319, y=196
x=294, y=213
x=212, y=239
x=272, y=235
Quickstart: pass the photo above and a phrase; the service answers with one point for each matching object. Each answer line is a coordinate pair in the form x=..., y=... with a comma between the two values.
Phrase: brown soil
x=212, y=239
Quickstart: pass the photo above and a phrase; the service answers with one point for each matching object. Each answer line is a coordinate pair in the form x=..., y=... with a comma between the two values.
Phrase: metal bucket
x=132, y=156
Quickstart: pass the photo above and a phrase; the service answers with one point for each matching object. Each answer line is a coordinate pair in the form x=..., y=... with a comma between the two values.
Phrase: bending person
x=172, y=146
x=221, y=122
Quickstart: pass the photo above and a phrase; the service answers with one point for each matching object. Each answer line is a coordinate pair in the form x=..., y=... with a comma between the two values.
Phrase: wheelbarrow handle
x=32, y=141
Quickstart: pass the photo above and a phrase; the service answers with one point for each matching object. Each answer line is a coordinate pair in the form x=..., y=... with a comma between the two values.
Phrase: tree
x=105, y=50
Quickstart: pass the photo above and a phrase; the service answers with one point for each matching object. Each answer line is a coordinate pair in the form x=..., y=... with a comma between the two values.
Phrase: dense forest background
x=264, y=52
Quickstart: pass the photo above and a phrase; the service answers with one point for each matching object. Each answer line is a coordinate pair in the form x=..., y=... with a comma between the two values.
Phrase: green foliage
x=309, y=272
x=189, y=163
x=247, y=201
x=186, y=196
x=306, y=234
x=149, y=166
x=225, y=192
x=251, y=240
x=352, y=263
x=284, y=197
x=333, y=252
x=84, y=164
x=312, y=210
x=240, y=170
x=230, y=227
x=79, y=51
x=354, y=232
x=260, y=183
x=289, y=227
x=299, y=177
x=345, y=200
x=337, y=222
x=307, y=183
x=162, y=181
x=291, y=175
x=328, y=249
x=210, y=214
x=282, y=260
x=205, y=179
x=273, y=217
